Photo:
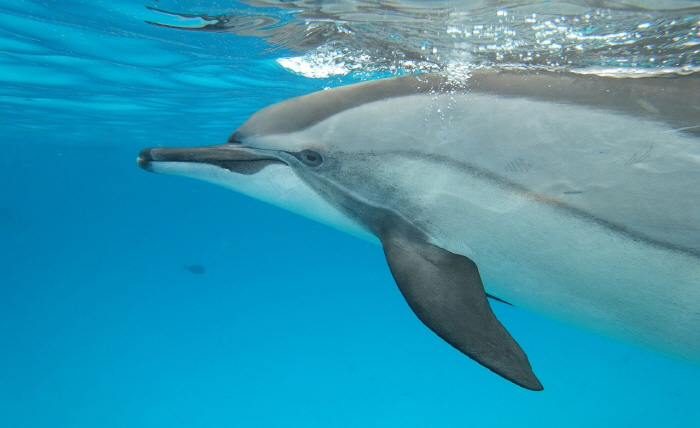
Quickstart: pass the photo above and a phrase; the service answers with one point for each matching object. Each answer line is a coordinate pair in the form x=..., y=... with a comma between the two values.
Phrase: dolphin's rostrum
x=597, y=225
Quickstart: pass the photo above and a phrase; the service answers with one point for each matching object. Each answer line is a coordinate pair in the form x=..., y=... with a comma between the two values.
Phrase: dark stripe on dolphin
x=571, y=210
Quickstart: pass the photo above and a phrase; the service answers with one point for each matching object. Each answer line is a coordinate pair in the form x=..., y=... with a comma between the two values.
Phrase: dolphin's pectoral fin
x=445, y=291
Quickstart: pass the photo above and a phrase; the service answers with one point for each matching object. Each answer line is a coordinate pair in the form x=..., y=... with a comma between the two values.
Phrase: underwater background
x=133, y=299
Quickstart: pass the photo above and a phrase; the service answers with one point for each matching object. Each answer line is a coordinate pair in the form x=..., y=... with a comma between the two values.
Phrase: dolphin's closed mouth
x=236, y=159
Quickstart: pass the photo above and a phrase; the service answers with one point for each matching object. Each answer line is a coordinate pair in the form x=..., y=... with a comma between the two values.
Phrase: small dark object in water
x=196, y=269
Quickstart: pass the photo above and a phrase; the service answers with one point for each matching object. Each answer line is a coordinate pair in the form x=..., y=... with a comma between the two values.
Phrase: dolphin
x=577, y=196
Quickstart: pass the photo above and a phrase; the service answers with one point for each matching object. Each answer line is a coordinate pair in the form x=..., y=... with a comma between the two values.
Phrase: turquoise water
x=292, y=323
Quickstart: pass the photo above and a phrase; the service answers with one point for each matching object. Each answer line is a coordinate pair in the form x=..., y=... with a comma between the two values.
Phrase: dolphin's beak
x=234, y=157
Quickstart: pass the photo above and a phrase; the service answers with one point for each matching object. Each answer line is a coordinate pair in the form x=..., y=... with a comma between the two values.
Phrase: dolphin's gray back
x=302, y=112
x=672, y=99
x=675, y=99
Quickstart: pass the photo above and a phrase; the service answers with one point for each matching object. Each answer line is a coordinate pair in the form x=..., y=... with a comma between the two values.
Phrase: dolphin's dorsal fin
x=445, y=291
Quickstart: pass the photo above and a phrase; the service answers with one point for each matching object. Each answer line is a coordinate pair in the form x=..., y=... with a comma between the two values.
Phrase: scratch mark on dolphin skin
x=518, y=165
x=637, y=159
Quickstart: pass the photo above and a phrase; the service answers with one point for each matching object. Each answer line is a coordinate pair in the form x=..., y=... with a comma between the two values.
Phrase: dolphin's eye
x=310, y=158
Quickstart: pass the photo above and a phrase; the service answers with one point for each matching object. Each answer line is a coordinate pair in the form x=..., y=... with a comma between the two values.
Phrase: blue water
x=292, y=324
